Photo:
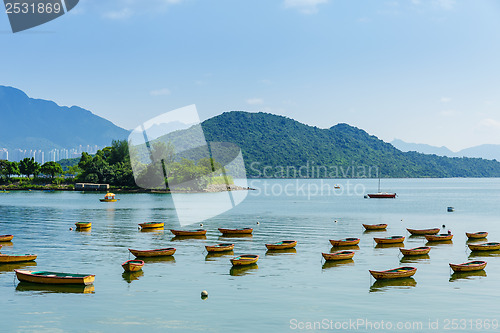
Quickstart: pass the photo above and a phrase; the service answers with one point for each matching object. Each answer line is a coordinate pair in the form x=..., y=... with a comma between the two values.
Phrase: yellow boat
x=395, y=273
x=133, y=265
x=469, y=266
x=286, y=244
x=416, y=251
x=10, y=258
x=245, y=259
x=390, y=240
x=244, y=231
x=6, y=238
x=153, y=253
x=380, y=226
x=54, y=277
x=484, y=246
x=476, y=235
x=422, y=232
x=152, y=225
x=109, y=197
x=344, y=242
x=339, y=255
x=220, y=247
x=83, y=225
x=197, y=232
x=439, y=238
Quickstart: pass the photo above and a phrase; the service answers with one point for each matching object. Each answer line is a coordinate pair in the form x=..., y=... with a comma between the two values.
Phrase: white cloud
x=160, y=92
x=444, y=4
x=489, y=123
x=445, y=99
x=121, y=14
x=304, y=6
x=255, y=101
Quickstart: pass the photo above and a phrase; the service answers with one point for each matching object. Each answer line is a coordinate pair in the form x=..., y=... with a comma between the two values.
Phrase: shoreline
x=70, y=187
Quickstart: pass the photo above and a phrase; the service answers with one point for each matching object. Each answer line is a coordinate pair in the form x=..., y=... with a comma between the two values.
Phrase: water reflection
x=384, y=285
x=48, y=288
x=4, y=244
x=212, y=255
x=228, y=236
x=479, y=254
x=437, y=243
x=373, y=231
x=153, y=230
x=467, y=275
x=476, y=240
x=242, y=270
x=164, y=259
x=340, y=248
x=337, y=263
x=181, y=238
x=278, y=252
x=386, y=246
x=84, y=230
x=132, y=276
x=19, y=265
x=414, y=259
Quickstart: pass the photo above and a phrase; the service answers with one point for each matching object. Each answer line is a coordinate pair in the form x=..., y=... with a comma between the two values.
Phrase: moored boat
x=339, y=255
x=133, y=265
x=422, y=232
x=83, y=225
x=221, y=247
x=380, y=226
x=345, y=242
x=245, y=231
x=10, y=258
x=6, y=238
x=245, y=259
x=389, y=240
x=152, y=225
x=491, y=246
x=153, y=253
x=286, y=244
x=54, y=277
x=400, y=272
x=416, y=251
x=382, y=195
x=476, y=235
x=469, y=266
x=197, y=232
x=439, y=237
x=109, y=197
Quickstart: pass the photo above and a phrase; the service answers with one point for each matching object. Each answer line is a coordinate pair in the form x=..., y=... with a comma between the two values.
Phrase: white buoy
x=336, y=221
x=258, y=222
x=201, y=224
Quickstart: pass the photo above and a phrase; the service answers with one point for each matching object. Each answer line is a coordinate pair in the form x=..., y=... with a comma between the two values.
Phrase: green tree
x=28, y=167
x=12, y=169
x=52, y=169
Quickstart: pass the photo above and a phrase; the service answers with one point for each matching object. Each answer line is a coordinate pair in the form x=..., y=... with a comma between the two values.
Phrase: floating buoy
x=70, y=229
x=335, y=221
x=258, y=222
x=201, y=224
x=451, y=209
x=444, y=226
x=204, y=294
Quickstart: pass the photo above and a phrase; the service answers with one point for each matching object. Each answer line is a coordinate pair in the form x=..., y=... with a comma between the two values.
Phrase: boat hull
x=199, y=232
x=133, y=265
x=375, y=226
x=6, y=258
x=245, y=260
x=244, y=231
x=484, y=247
x=401, y=272
x=476, y=235
x=423, y=232
x=339, y=255
x=438, y=238
x=153, y=253
x=417, y=251
x=345, y=242
x=469, y=266
x=220, y=247
x=54, y=277
x=6, y=238
x=389, y=240
x=83, y=225
x=382, y=195
x=152, y=225
x=108, y=200
x=282, y=245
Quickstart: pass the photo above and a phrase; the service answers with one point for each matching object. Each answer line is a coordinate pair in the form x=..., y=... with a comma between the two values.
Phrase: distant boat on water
x=381, y=195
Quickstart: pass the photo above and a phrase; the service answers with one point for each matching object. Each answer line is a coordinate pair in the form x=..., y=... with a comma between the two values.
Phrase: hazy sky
x=425, y=71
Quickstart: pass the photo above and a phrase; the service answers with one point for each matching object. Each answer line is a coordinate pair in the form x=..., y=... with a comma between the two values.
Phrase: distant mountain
x=488, y=151
x=28, y=123
x=278, y=145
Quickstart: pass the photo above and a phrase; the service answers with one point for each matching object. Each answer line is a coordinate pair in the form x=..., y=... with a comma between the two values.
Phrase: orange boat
x=245, y=259
x=476, y=235
x=439, y=238
x=10, y=258
x=416, y=251
x=400, y=272
x=133, y=265
x=6, y=238
x=344, y=242
x=283, y=245
x=380, y=226
x=469, y=266
x=153, y=253
x=54, y=277
x=83, y=225
x=152, y=225
x=197, y=232
x=339, y=255
x=220, y=247
x=390, y=240
x=236, y=231
x=422, y=232
x=485, y=246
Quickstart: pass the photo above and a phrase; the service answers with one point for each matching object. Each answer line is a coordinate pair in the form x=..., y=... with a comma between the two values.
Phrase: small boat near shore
x=283, y=245
x=439, y=238
x=416, y=251
x=168, y=251
x=109, y=197
x=339, y=255
x=400, y=272
x=245, y=259
x=197, y=232
x=476, y=235
x=345, y=242
x=152, y=225
x=241, y=231
x=423, y=232
x=491, y=246
x=6, y=238
x=12, y=258
x=469, y=266
x=389, y=240
x=83, y=225
x=133, y=265
x=380, y=226
x=46, y=277
x=221, y=247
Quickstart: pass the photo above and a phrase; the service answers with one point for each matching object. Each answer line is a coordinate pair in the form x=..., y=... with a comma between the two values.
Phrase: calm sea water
x=286, y=291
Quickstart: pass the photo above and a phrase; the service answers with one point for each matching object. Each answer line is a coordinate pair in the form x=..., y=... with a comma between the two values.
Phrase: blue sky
x=424, y=71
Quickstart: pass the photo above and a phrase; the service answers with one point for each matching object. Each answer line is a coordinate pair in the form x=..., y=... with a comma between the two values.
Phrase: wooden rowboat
x=83, y=225
x=152, y=225
x=245, y=259
x=10, y=258
x=416, y=251
x=6, y=238
x=339, y=255
x=153, y=253
x=220, y=247
x=439, y=238
x=422, y=232
x=389, y=240
x=241, y=231
x=197, y=232
x=469, y=266
x=133, y=265
x=344, y=242
x=400, y=272
x=476, y=235
x=485, y=246
x=54, y=277
x=286, y=244
x=381, y=226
